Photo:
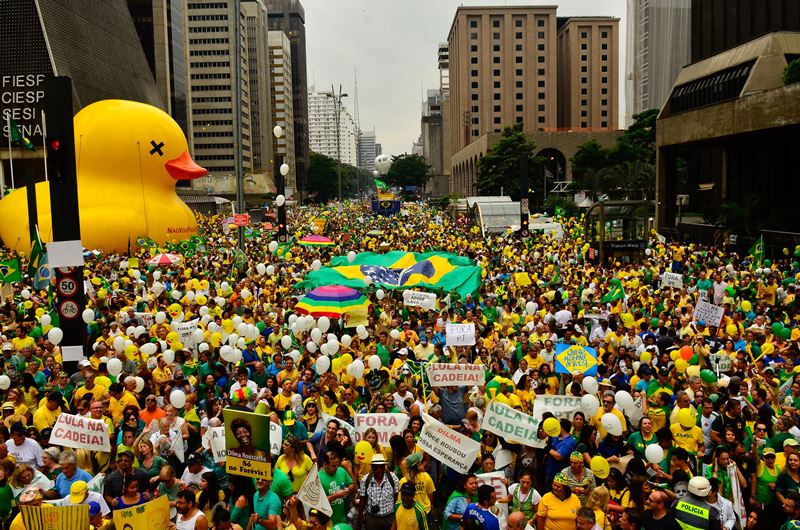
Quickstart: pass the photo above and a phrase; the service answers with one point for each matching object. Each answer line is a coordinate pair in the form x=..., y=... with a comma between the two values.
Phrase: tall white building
x=366, y=147
x=322, y=128
x=280, y=64
x=658, y=46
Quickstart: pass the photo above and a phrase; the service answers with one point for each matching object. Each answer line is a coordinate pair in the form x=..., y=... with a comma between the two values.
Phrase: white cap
x=84, y=362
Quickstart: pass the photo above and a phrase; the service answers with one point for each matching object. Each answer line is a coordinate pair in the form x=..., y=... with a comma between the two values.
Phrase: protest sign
x=671, y=279
x=247, y=441
x=460, y=334
x=449, y=447
x=511, y=424
x=311, y=494
x=385, y=424
x=702, y=296
x=737, y=498
x=57, y=517
x=448, y=374
x=419, y=299
x=561, y=406
x=152, y=515
x=148, y=319
x=574, y=358
x=720, y=362
x=495, y=479
x=709, y=313
x=185, y=331
x=214, y=441
x=79, y=432
x=275, y=438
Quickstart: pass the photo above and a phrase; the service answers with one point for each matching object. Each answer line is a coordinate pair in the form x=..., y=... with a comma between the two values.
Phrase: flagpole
x=10, y=157
x=44, y=143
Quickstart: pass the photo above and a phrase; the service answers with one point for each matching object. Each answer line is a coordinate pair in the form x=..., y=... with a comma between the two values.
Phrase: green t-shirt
x=266, y=505
x=332, y=484
x=639, y=444
x=281, y=485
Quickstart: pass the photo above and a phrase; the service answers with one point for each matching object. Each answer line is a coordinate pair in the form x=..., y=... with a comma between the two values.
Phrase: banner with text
x=573, y=358
x=214, y=441
x=185, y=332
x=460, y=334
x=671, y=279
x=247, y=441
x=312, y=495
x=55, y=517
x=419, y=299
x=561, y=406
x=152, y=515
x=709, y=313
x=448, y=374
x=386, y=425
x=512, y=424
x=449, y=447
x=497, y=480
x=79, y=432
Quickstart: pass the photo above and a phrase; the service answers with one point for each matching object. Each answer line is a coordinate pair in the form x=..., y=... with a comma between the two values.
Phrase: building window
x=473, y=60
x=518, y=95
x=473, y=36
x=604, y=80
x=473, y=47
x=519, y=119
x=495, y=72
x=473, y=23
x=584, y=79
x=604, y=68
x=584, y=46
x=540, y=83
x=496, y=23
x=496, y=84
x=584, y=69
x=540, y=119
x=540, y=23
x=496, y=60
x=496, y=97
x=518, y=84
x=584, y=58
x=584, y=113
x=475, y=121
x=496, y=119
x=604, y=91
x=540, y=95
x=474, y=108
x=604, y=57
x=495, y=47
x=518, y=35
x=540, y=107
x=495, y=35
x=474, y=73
x=584, y=125
x=540, y=35
x=496, y=108
x=604, y=46
x=584, y=34
x=518, y=71
x=519, y=108
x=518, y=59
x=475, y=132
x=604, y=113
x=518, y=47
x=603, y=34
x=540, y=59
x=540, y=71
x=474, y=97
x=604, y=102
x=518, y=22
x=540, y=47
x=604, y=124
x=474, y=84
x=584, y=91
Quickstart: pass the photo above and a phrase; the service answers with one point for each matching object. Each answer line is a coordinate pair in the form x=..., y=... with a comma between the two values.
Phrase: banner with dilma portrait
x=247, y=444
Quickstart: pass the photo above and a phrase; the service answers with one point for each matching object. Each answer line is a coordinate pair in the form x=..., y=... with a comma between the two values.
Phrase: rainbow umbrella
x=317, y=241
x=332, y=301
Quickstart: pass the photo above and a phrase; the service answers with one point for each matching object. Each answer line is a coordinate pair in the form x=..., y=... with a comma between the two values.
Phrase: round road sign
x=67, y=286
x=68, y=309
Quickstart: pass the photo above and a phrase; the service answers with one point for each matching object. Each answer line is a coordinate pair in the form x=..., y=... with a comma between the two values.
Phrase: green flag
x=37, y=251
x=9, y=271
x=559, y=211
x=17, y=137
x=381, y=185
x=757, y=250
x=616, y=292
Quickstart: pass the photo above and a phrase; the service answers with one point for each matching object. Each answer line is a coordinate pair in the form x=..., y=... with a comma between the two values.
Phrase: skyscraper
x=280, y=59
x=657, y=48
x=289, y=16
x=258, y=64
x=366, y=150
x=322, y=128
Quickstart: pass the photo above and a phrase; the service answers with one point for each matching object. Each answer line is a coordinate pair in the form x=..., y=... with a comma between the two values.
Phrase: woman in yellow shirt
x=294, y=462
x=557, y=509
x=422, y=481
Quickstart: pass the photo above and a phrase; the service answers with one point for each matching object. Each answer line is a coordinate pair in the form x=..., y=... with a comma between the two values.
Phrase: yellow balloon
x=747, y=306
x=201, y=299
x=39, y=312
x=130, y=350
x=288, y=256
x=96, y=281
x=646, y=357
x=681, y=366
x=552, y=427
x=693, y=370
x=336, y=366
x=599, y=466
x=363, y=452
x=172, y=336
x=102, y=293
x=216, y=339
x=177, y=345
x=28, y=304
x=730, y=329
x=227, y=326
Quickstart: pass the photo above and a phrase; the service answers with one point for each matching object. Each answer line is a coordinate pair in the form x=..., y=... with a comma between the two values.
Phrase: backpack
x=388, y=476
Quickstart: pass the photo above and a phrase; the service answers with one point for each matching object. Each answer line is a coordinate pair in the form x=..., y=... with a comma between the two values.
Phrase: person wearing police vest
x=692, y=511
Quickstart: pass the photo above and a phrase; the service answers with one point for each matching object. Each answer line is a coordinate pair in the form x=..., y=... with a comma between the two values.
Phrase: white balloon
x=203, y=347
x=139, y=331
x=324, y=324
x=351, y=256
x=379, y=294
x=156, y=275
x=220, y=301
x=88, y=316
x=137, y=274
x=114, y=367
x=128, y=342
x=383, y=162
x=5, y=382
x=119, y=343
x=213, y=327
x=242, y=329
x=237, y=356
x=158, y=288
x=169, y=356
x=316, y=265
x=590, y=404
x=530, y=308
x=654, y=454
x=148, y=348
x=139, y=384
x=190, y=295
x=176, y=295
x=177, y=398
x=362, y=332
x=356, y=369
x=286, y=342
x=25, y=294
x=198, y=335
x=246, y=294
x=311, y=347
x=374, y=362
x=292, y=319
x=323, y=364
x=273, y=246
x=45, y=320
x=55, y=335
x=161, y=317
x=261, y=269
x=284, y=171
x=624, y=400
x=611, y=423
x=224, y=286
x=590, y=384
x=241, y=343
x=332, y=338
x=295, y=355
x=316, y=335
x=233, y=338
x=237, y=320
x=346, y=340
x=270, y=270
x=394, y=334
x=367, y=280
x=226, y=352
x=277, y=131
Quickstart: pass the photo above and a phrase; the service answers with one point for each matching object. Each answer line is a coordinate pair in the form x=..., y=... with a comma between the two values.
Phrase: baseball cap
x=663, y=371
x=790, y=441
x=290, y=418
x=8, y=406
x=194, y=458
x=768, y=451
x=77, y=492
x=94, y=509
x=402, y=351
x=84, y=362
x=413, y=459
x=7, y=346
x=378, y=459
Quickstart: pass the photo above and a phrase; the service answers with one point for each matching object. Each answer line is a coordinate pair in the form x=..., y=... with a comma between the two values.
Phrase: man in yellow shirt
x=608, y=407
x=90, y=387
x=45, y=416
x=120, y=399
x=22, y=340
x=687, y=435
x=408, y=514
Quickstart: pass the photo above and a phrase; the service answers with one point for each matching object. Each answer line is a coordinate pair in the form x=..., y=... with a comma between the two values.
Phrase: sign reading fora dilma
x=24, y=64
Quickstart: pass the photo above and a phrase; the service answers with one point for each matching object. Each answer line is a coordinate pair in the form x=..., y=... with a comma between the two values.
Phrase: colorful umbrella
x=164, y=260
x=319, y=241
x=331, y=301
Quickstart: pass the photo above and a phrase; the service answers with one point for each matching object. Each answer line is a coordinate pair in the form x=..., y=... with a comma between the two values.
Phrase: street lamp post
x=337, y=109
x=280, y=188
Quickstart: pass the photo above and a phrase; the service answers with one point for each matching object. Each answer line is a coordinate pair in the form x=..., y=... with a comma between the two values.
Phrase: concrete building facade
x=322, y=129
x=366, y=150
x=258, y=66
x=432, y=143
x=658, y=46
x=280, y=64
x=588, y=72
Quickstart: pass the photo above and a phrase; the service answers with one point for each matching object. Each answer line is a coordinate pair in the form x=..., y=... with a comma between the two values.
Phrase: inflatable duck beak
x=184, y=168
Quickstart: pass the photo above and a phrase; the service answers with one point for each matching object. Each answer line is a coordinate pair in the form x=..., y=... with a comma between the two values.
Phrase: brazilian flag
x=9, y=271
x=400, y=270
x=381, y=185
x=757, y=250
x=17, y=137
x=616, y=292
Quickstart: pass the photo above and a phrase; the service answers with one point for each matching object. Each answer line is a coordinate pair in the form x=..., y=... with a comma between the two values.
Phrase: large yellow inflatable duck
x=129, y=156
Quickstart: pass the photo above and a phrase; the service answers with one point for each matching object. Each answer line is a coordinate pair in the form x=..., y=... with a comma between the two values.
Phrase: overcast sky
x=393, y=44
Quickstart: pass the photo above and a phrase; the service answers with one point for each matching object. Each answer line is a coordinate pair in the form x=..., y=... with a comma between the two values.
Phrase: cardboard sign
x=386, y=425
x=152, y=515
x=448, y=374
x=449, y=447
x=511, y=424
x=76, y=431
x=460, y=334
x=419, y=299
x=185, y=332
x=241, y=219
x=312, y=495
x=572, y=358
x=275, y=438
x=561, y=406
x=709, y=313
x=247, y=442
x=57, y=517
x=720, y=362
x=671, y=279
x=214, y=440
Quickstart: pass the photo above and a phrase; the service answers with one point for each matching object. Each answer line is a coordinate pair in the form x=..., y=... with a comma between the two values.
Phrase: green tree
x=499, y=167
x=590, y=157
x=791, y=74
x=322, y=178
x=639, y=141
x=408, y=170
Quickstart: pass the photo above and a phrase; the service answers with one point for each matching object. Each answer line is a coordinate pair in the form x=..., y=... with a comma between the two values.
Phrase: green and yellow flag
x=616, y=292
x=9, y=271
x=17, y=137
x=381, y=185
x=757, y=250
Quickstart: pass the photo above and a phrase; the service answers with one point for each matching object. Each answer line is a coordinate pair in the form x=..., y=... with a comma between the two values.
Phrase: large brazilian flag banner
x=400, y=270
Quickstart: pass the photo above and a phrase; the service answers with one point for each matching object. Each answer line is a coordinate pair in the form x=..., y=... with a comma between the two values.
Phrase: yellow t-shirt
x=597, y=424
x=424, y=487
x=558, y=514
x=96, y=393
x=44, y=418
x=688, y=439
x=19, y=344
x=117, y=406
